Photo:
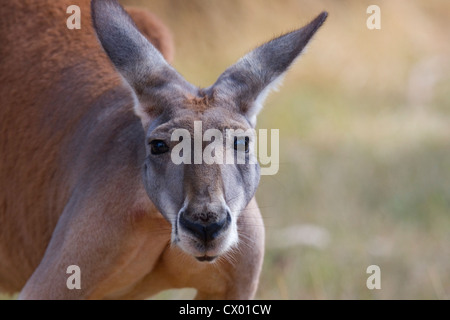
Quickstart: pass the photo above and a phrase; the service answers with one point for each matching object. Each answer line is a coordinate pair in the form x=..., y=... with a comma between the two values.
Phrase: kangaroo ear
x=143, y=67
x=249, y=81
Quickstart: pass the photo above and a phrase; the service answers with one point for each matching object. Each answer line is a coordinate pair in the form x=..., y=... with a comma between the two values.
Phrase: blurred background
x=364, y=120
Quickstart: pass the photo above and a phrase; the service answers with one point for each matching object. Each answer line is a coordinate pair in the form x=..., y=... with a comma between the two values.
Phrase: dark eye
x=158, y=147
x=241, y=143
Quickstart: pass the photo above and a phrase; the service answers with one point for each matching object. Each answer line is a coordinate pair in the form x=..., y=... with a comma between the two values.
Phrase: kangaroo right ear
x=137, y=60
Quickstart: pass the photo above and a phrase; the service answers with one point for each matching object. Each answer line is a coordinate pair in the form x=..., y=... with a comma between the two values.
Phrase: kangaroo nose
x=204, y=229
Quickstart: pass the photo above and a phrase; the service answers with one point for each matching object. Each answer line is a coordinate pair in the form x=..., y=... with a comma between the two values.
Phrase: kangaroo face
x=201, y=196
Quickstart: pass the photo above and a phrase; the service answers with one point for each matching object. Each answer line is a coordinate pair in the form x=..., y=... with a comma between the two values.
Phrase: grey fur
x=136, y=59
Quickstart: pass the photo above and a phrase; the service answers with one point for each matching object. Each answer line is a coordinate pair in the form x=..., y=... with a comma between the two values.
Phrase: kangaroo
x=87, y=179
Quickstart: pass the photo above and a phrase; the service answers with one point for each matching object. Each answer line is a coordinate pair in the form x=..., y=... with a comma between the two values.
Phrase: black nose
x=205, y=231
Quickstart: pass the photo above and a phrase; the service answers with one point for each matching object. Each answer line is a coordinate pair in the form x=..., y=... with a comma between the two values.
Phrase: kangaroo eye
x=158, y=147
x=241, y=143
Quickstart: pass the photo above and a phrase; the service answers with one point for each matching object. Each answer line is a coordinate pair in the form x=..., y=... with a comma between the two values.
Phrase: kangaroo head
x=202, y=199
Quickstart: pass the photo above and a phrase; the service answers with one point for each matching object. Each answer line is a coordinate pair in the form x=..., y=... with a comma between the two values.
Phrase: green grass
x=4, y=296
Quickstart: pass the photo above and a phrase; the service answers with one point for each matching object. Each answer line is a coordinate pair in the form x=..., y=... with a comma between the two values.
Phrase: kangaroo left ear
x=250, y=80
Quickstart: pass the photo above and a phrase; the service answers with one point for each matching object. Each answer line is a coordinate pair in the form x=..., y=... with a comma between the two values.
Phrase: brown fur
x=199, y=104
x=71, y=187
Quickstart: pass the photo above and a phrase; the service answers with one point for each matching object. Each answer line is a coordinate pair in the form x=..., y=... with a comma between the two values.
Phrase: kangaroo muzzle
x=205, y=231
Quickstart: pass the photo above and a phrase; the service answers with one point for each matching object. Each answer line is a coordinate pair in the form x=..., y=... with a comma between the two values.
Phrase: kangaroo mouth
x=206, y=258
